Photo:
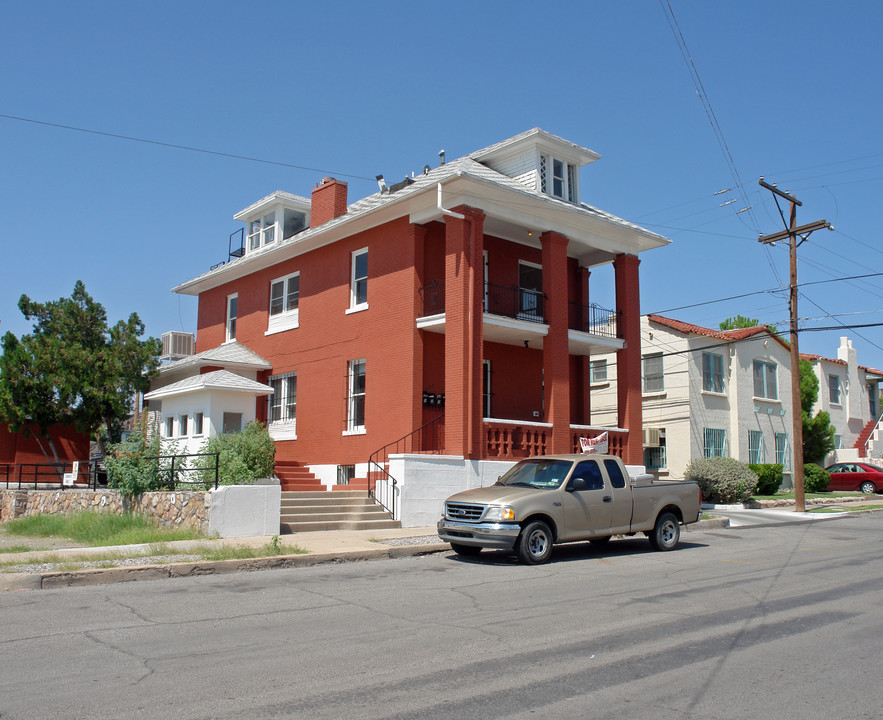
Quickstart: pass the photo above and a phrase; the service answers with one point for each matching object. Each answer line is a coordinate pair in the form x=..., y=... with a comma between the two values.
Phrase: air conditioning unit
x=177, y=344
x=651, y=437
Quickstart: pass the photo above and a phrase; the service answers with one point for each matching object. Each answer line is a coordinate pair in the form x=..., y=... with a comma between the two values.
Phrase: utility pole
x=792, y=233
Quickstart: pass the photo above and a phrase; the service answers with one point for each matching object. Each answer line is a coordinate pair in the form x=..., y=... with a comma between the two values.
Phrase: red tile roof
x=737, y=334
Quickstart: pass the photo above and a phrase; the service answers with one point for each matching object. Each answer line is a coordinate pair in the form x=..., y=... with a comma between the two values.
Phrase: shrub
x=769, y=478
x=139, y=464
x=722, y=479
x=815, y=478
x=243, y=456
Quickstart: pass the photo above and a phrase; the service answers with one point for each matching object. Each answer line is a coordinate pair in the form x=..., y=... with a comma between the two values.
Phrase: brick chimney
x=328, y=201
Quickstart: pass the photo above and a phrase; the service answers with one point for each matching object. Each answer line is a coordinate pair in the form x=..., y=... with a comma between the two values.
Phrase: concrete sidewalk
x=304, y=549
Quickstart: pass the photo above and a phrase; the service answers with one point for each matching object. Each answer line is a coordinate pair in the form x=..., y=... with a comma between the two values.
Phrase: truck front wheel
x=534, y=545
x=666, y=532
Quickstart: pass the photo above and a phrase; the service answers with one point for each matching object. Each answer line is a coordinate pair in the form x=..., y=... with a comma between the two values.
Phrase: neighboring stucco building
x=450, y=311
x=850, y=394
x=709, y=392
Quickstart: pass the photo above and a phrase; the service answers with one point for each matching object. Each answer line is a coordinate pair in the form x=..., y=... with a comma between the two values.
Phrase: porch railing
x=515, y=440
x=616, y=438
x=592, y=319
x=429, y=438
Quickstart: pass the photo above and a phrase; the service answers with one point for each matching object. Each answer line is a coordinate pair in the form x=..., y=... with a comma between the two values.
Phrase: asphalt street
x=781, y=621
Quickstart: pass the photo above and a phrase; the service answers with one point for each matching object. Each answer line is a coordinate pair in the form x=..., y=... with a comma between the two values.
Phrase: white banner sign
x=594, y=445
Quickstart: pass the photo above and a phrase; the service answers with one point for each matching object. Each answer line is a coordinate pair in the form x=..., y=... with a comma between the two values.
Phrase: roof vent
x=441, y=156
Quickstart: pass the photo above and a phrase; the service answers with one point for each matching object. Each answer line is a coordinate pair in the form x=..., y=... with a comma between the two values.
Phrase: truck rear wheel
x=534, y=545
x=666, y=532
x=465, y=550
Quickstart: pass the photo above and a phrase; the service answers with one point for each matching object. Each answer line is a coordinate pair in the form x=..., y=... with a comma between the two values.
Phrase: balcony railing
x=514, y=302
x=515, y=440
x=592, y=319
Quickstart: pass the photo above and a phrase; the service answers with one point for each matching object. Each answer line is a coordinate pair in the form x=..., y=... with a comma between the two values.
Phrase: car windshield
x=539, y=473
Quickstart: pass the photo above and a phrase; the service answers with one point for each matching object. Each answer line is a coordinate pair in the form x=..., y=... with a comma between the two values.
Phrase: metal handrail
x=868, y=441
x=378, y=462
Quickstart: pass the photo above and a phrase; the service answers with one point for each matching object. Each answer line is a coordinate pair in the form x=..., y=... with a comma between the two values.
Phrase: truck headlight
x=500, y=512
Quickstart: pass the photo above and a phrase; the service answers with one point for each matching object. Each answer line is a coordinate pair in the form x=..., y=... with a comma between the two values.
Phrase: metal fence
x=173, y=472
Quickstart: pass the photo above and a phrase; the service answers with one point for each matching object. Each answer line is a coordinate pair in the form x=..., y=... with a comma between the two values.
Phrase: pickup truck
x=542, y=501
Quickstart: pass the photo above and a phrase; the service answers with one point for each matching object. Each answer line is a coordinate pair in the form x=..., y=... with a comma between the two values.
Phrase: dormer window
x=558, y=178
x=273, y=219
x=262, y=231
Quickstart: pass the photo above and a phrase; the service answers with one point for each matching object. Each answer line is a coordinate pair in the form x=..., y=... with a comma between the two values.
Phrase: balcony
x=515, y=316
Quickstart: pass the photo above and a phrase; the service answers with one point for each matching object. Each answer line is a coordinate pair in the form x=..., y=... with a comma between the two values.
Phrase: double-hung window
x=282, y=404
x=558, y=178
x=598, y=371
x=834, y=389
x=782, y=456
x=232, y=313
x=712, y=372
x=715, y=442
x=182, y=425
x=355, y=413
x=359, y=280
x=756, y=451
x=765, y=385
x=262, y=232
x=284, y=296
x=652, y=373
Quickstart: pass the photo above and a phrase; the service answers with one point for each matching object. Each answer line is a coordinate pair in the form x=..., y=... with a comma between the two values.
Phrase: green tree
x=73, y=369
x=818, y=433
x=738, y=321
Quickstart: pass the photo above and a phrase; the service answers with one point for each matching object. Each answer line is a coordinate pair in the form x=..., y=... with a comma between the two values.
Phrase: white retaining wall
x=425, y=481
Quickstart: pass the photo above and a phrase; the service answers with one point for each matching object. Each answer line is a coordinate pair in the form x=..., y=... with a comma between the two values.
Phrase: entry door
x=530, y=292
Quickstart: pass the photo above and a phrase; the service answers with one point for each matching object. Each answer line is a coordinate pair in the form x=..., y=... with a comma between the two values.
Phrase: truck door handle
x=607, y=498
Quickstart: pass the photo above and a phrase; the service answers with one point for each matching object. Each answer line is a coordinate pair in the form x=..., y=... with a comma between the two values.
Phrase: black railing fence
x=172, y=472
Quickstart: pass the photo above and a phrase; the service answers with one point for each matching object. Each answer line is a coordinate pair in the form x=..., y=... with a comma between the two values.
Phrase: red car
x=856, y=476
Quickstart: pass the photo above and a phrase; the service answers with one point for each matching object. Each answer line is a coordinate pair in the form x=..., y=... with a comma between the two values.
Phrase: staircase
x=304, y=511
x=294, y=476
x=865, y=435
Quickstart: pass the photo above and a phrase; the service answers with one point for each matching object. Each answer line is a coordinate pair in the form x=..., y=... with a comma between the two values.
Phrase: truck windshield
x=538, y=473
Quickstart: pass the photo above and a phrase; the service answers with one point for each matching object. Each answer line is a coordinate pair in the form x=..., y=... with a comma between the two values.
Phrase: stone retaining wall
x=172, y=509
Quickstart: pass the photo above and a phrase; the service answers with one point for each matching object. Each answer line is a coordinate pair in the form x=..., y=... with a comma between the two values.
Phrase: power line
x=189, y=148
x=768, y=292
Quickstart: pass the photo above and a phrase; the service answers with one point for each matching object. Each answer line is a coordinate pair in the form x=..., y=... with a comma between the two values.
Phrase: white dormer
x=274, y=218
x=543, y=162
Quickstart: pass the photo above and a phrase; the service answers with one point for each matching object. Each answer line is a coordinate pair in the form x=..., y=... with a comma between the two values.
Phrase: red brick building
x=458, y=297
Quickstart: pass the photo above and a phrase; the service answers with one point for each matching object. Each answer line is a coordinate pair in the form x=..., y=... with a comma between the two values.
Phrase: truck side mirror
x=576, y=484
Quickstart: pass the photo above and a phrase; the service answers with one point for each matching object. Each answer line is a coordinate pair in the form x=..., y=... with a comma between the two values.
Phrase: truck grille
x=463, y=511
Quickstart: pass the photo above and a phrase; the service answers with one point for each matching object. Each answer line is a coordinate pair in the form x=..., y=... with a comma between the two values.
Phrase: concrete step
x=333, y=517
x=319, y=506
x=315, y=526
x=324, y=494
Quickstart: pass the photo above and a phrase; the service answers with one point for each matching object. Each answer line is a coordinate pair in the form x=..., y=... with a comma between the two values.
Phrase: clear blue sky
x=357, y=88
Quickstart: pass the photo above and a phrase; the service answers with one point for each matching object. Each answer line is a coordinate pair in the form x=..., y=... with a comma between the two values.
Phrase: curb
x=98, y=576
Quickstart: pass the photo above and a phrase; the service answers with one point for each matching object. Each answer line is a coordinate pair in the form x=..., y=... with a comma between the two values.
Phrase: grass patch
x=240, y=552
x=20, y=549
x=98, y=529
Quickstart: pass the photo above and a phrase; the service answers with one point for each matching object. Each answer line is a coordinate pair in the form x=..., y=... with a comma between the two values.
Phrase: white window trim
x=286, y=426
x=169, y=426
x=183, y=419
x=357, y=306
x=201, y=432
x=228, y=337
x=287, y=319
x=652, y=391
x=351, y=428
